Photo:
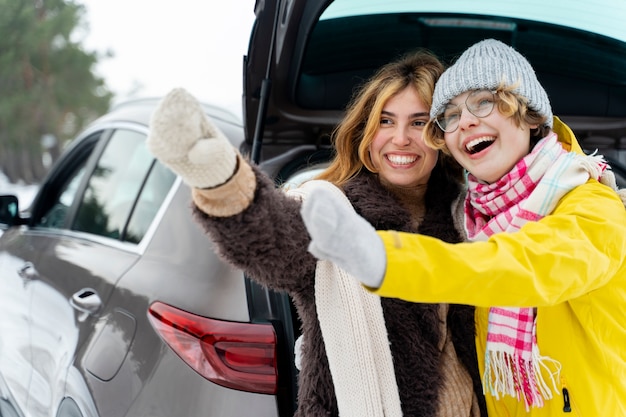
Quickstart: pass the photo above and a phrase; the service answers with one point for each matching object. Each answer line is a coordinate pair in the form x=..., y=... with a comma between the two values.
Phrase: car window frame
x=95, y=141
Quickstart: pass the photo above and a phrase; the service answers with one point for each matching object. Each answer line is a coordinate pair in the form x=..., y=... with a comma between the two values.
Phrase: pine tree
x=48, y=86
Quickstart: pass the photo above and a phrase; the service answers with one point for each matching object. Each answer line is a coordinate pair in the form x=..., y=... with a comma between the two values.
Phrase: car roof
x=140, y=111
x=310, y=55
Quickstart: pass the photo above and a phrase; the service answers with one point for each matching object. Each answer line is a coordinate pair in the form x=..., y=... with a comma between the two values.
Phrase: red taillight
x=235, y=355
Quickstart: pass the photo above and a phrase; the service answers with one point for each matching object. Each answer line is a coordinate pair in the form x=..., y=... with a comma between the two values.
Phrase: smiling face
x=397, y=151
x=487, y=147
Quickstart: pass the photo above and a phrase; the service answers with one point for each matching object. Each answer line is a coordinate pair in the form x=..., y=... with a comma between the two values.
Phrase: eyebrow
x=420, y=114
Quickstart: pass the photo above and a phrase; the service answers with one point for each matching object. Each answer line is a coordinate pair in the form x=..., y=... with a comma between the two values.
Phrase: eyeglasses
x=479, y=103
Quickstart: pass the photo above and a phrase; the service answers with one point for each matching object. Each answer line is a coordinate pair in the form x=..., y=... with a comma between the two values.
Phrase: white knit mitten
x=340, y=235
x=608, y=178
x=183, y=138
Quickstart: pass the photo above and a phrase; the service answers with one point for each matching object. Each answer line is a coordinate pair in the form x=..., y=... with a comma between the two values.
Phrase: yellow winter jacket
x=570, y=265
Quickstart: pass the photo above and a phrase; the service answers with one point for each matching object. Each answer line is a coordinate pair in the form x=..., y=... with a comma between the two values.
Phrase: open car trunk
x=306, y=57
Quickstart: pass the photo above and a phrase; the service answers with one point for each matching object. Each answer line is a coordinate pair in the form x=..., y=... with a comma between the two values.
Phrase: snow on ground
x=25, y=193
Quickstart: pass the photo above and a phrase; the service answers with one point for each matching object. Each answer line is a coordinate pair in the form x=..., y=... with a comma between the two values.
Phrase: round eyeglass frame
x=476, y=108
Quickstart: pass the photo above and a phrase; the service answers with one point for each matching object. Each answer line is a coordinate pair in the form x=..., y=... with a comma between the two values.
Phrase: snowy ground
x=25, y=193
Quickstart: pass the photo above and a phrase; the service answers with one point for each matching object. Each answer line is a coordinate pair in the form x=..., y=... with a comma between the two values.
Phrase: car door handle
x=27, y=271
x=87, y=301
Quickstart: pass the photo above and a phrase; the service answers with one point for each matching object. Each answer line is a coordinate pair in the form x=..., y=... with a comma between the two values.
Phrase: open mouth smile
x=479, y=144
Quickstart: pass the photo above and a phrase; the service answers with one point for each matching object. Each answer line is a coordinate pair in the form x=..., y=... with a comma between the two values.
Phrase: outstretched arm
x=579, y=248
x=255, y=226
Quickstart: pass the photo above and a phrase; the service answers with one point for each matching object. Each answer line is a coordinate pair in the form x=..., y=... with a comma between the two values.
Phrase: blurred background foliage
x=49, y=89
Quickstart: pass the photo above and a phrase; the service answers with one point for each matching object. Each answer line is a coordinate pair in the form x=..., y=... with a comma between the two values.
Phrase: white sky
x=161, y=44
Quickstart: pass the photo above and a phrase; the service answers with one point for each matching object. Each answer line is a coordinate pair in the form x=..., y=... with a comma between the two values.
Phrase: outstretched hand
x=340, y=235
x=184, y=139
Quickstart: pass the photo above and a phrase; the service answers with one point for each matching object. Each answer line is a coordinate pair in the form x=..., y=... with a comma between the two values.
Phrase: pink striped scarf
x=529, y=192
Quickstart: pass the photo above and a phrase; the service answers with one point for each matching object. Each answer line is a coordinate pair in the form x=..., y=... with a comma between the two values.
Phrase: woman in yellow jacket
x=546, y=261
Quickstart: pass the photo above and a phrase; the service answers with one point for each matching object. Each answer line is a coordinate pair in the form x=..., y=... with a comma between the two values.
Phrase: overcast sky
x=162, y=44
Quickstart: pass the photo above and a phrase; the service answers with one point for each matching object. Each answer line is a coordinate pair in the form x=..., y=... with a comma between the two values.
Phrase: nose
x=402, y=136
x=467, y=119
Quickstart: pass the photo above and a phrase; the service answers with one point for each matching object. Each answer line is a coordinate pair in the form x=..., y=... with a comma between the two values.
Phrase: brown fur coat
x=269, y=241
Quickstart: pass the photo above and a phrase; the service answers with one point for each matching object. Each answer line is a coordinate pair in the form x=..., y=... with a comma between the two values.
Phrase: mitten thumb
x=184, y=139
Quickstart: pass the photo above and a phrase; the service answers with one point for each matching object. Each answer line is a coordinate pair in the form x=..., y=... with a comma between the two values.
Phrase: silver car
x=113, y=302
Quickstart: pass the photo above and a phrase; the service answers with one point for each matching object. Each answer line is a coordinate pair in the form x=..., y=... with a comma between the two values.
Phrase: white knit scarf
x=529, y=192
x=355, y=337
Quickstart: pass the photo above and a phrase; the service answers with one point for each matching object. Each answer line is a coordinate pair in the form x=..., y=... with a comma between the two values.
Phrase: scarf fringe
x=521, y=379
x=595, y=165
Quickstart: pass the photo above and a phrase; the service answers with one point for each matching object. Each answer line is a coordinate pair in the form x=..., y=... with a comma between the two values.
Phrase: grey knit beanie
x=485, y=65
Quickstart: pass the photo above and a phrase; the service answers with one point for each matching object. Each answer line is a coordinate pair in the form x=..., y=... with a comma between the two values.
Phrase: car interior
x=582, y=74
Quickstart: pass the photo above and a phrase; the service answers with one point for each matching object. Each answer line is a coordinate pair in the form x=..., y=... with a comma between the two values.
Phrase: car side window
x=62, y=190
x=152, y=195
x=56, y=215
x=114, y=185
x=121, y=199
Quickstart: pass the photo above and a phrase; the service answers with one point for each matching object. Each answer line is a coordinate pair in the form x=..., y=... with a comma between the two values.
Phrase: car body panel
x=17, y=264
x=162, y=248
x=58, y=329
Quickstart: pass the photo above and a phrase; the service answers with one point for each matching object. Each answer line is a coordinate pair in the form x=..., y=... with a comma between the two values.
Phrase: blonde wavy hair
x=355, y=133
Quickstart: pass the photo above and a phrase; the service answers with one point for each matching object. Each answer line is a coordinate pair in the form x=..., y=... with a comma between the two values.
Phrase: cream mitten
x=184, y=139
x=608, y=178
x=340, y=235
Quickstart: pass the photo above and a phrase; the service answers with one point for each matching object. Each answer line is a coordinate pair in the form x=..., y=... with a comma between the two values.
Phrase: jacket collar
x=566, y=136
